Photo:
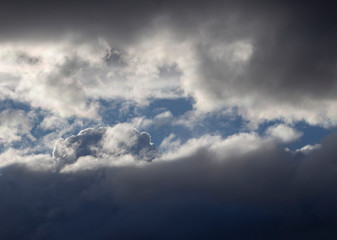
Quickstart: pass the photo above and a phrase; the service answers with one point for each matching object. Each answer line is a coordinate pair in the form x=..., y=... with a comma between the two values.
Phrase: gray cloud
x=266, y=193
x=120, y=19
x=289, y=63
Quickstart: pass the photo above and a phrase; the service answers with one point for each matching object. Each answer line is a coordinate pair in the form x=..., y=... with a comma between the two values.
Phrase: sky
x=168, y=119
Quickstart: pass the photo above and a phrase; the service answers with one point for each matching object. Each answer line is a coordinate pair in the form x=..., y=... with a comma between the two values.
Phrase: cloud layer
x=269, y=60
x=234, y=188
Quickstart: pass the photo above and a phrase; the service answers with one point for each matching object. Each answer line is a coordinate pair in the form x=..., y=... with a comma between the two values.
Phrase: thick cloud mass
x=271, y=60
x=289, y=71
x=263, y=192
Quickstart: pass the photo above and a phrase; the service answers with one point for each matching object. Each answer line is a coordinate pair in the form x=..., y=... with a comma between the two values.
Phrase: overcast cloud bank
x=212, y=188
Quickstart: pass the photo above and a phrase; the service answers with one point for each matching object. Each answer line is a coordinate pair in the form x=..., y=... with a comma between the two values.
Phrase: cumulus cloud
x=106, y=146
x=283, y=133
x=71, y=78
x=15, y=125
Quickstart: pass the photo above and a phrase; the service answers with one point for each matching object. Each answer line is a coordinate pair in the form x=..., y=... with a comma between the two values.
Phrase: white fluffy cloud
x=68, y=78
x=224, y=148
x=14, y=125
x=283, y=133
x=112, y=146
x=36, y=162
x=307, y=149
x=123, y=145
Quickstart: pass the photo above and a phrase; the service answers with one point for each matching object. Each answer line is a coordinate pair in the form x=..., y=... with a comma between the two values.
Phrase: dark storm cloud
x=297, y=52
x=268, y=194
x=294, y=52
x=122, y=19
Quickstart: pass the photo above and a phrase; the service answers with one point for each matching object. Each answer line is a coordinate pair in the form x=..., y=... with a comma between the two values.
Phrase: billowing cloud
x=33, y=162
x=261, y=191
x=269, y=61
x=283, y=133
x=94, y=148
x=15, y=125
x=69, y=79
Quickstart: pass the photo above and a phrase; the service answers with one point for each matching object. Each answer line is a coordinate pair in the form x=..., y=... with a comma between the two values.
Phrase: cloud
x=308, y=148
x=15, y=125
x=251, y=188
x=288, y=70
x=33, y=162
x=283, y=133
x=70, y=78
x=237, y=144
x=106, y=146
x=268, y=61
x=254, y=61
x=53, y=122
